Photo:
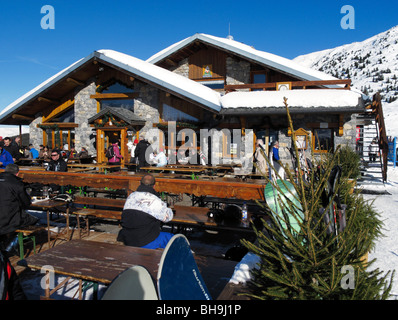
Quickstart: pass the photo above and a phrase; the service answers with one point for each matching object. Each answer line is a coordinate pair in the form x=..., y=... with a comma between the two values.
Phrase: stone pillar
x=85, y=108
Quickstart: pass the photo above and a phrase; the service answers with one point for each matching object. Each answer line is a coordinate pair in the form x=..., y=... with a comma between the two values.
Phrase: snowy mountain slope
x=372, y=64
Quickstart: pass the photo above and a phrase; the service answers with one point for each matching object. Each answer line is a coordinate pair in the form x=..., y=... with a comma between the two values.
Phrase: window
x=322, y=140
x=258, y=77
x=172, y=114
x=58, y=137
x=215, y=84
x=117, y=102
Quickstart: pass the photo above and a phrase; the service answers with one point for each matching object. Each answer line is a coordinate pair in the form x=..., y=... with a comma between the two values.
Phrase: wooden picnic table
x=30, y=161
x=93, y=261
x=172, y=169
x=217, y=187
x=102, y=167
x=99, y=262
x=86, y=160
x=32, y=168
x=50, y=206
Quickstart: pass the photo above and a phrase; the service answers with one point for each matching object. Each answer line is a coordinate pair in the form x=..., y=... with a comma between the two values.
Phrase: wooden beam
x=79, y=83
x=61, y=125
x=56, y=111
x=171, y=62
x=21, y=117
x=111, y=96
x=47, y=100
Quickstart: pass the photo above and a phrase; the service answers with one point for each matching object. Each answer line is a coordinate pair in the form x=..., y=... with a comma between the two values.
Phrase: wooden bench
x=112, y=193
x=104, y=208
x=27, y=233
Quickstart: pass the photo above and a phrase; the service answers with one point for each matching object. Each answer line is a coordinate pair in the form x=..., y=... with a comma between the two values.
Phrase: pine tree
x=312, y=264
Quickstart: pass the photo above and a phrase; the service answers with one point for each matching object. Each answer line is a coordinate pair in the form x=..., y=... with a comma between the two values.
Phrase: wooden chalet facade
x=202, y=82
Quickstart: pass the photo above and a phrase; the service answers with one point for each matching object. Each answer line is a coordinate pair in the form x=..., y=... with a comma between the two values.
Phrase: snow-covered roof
x=272, y=101
x=43, y=86
x=160, y=76
x=262, y=57
x=164, y=78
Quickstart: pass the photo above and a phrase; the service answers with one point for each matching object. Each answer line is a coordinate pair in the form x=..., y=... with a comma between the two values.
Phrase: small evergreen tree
x=312, y=264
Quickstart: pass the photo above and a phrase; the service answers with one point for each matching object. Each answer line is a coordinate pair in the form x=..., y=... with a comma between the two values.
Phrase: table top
x=47, y=203
x=175, y=169
x=95, y=261
x=194, y=215
x=93, y=165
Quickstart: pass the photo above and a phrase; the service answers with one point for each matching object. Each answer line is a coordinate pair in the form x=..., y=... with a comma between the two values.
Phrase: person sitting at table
x=160, y=158
x=83, y=153
x=142, y=216
x=13, y=201
x=12, y=148
x=5, y=158
x=34, y=153
x=45, y=154
x=72, y=153
x=57, y=163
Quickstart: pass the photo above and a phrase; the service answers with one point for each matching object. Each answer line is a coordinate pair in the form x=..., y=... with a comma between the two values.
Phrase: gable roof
x=245, y=51
x=124, y=114
x=147, y=72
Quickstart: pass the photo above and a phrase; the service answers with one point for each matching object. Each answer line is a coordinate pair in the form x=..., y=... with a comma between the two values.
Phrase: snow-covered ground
x=390, y=112
x=386, y=250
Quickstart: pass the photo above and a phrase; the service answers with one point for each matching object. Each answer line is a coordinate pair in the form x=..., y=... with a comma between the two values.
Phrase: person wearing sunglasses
x=57, y=163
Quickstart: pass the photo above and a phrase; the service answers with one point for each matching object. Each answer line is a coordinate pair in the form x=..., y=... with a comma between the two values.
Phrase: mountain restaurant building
x=201, y=82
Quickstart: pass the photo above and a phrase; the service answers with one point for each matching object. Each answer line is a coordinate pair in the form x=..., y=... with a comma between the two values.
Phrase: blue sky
x=29, y=54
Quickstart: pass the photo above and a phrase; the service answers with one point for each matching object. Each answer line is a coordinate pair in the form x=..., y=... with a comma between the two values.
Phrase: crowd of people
x=12, y=151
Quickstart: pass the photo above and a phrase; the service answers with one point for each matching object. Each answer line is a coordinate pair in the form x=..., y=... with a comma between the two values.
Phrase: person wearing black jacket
x=57, y=163
x=142, y=217
x=12, y=148
x=140, y=152
x=13, y=201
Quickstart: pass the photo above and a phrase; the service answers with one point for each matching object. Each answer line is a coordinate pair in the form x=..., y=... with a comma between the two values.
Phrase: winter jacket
x=117, y=156
x=13, y=202
x=59, y=165
x=140, y=152
x=161, y=159
x=5, y=158
x=142, y=216
x=13, y=149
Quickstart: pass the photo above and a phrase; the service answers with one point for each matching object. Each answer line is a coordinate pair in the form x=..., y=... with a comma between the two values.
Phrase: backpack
x=110, y=153
x=10, y=288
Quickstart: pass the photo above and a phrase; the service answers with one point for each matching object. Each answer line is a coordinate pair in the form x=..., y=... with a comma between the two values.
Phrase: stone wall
x=238, y=71
x=35, y=133
x=85, y=108
x=146, y=106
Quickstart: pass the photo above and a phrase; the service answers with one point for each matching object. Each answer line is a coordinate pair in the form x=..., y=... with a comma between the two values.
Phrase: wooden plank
x=219, y=187
x=111, y=96
x=94, y=261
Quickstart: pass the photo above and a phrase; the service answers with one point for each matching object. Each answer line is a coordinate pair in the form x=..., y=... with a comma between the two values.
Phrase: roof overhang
x=244, y=51
x=63, y=85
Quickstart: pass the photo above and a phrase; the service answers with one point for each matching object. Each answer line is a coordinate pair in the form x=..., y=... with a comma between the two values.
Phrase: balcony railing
x=319, y=84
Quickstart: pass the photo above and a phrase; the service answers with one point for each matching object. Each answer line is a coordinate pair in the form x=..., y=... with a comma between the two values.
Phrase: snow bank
x=329, y=98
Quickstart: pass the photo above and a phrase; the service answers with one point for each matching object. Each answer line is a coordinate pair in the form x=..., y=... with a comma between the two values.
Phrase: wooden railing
x=377, y=110
x=293, y=84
